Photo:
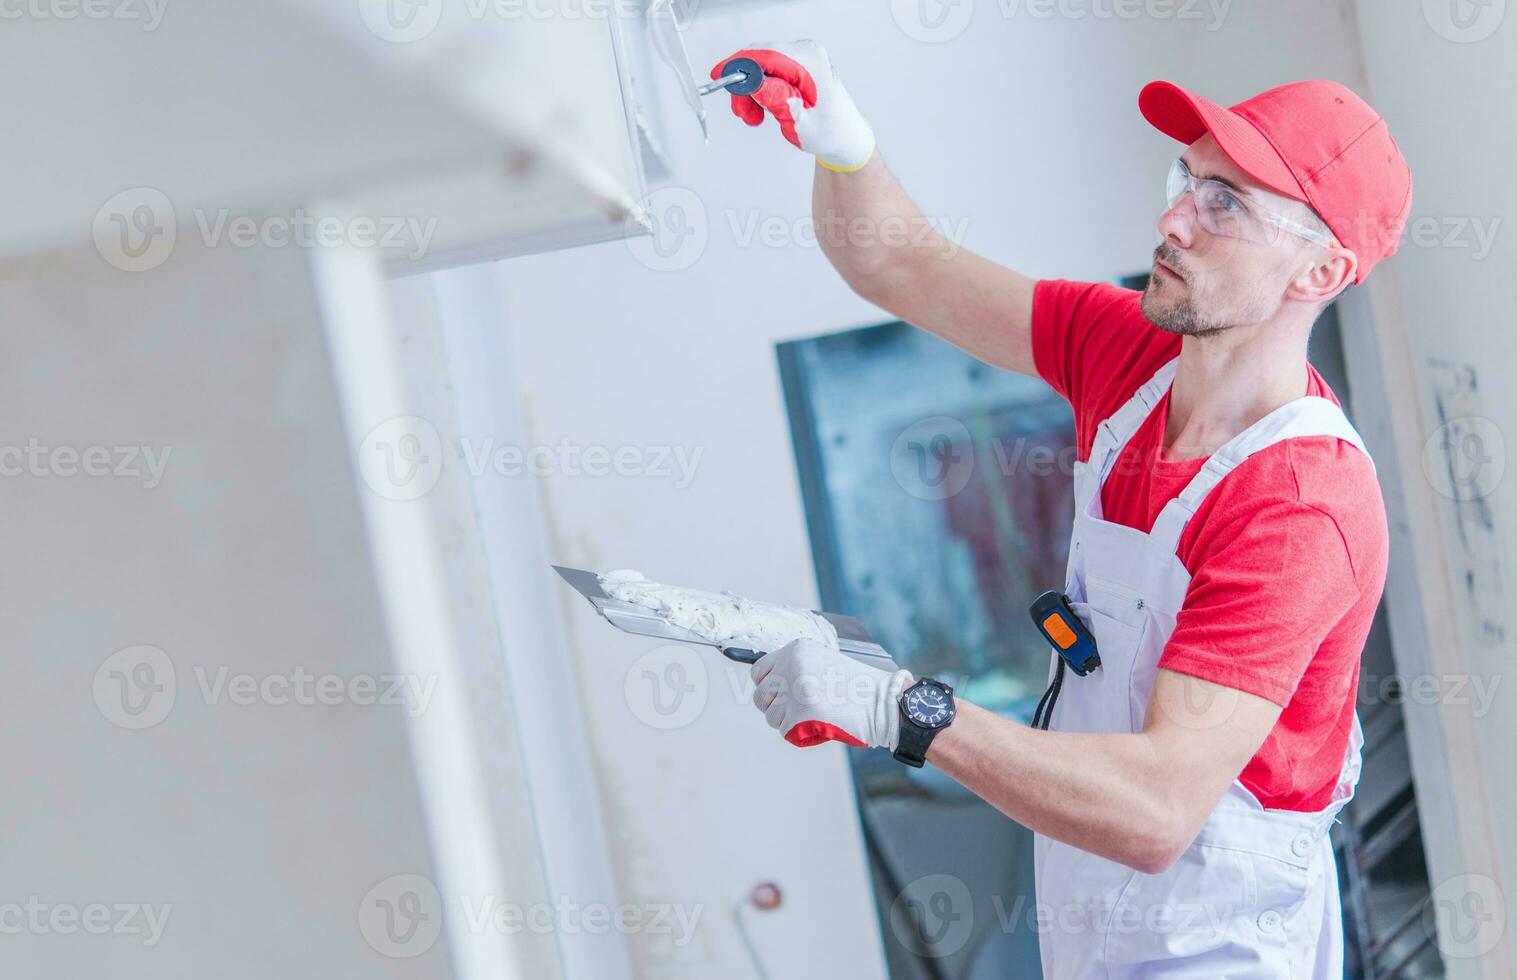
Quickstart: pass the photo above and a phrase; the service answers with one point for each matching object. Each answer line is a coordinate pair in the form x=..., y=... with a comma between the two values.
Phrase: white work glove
x=813, y=108
x=812, y=693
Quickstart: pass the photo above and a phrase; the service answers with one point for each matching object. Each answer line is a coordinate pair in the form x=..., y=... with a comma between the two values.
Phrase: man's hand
x=814, y=111
x=813, y=693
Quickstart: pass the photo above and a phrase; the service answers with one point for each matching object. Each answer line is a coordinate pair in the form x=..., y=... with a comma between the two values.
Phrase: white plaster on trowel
x=721, y=618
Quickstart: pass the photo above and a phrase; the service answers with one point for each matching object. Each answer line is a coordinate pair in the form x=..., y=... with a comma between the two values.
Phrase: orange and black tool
x=1057, y=621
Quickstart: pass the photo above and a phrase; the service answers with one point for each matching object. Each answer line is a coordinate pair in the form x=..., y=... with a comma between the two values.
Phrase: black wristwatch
x=926, y=708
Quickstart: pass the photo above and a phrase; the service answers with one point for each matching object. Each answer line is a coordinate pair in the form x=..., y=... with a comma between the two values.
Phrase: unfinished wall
x=1443, y=72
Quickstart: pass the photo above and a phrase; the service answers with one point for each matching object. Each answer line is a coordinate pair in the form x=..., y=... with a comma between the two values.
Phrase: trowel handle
x=740, y=76
x=740, y=655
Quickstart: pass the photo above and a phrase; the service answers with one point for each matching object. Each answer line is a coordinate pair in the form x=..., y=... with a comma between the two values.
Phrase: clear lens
x=1178, y=183
x=1219, y=210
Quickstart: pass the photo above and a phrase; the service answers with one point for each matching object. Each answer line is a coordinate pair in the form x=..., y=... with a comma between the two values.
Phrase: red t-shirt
x=1287, y=554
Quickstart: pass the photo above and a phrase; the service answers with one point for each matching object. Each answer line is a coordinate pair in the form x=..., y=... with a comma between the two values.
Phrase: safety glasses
x=1222, y=211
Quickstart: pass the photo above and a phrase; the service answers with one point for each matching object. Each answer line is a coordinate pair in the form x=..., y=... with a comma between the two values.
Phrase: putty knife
x=853, y=638
x=740, y=76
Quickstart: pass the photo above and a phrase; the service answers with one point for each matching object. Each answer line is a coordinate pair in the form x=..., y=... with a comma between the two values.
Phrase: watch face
x=929, y=706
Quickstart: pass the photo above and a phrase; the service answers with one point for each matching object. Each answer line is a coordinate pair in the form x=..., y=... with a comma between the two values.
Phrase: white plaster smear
x=720, y=617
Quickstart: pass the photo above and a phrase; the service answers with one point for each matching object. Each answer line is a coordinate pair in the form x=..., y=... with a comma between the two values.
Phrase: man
x=1229, y=546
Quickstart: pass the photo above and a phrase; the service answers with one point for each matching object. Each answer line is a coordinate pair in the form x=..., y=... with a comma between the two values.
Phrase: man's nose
x=1177, y=225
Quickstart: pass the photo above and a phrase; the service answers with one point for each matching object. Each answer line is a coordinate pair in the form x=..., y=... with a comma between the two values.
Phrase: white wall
x=258, y=827
x=1023, y=133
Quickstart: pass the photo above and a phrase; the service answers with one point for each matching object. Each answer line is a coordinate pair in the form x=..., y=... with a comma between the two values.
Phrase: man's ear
x=1332, y=270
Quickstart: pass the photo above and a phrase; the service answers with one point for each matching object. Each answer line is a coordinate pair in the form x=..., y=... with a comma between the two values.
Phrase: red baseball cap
x=1314, y=141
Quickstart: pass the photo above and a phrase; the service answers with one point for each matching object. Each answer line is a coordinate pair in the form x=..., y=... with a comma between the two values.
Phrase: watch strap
x=911, y=746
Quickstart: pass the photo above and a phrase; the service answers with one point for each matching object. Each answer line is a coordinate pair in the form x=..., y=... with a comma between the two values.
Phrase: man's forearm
x=1101, y=793
x=870, y=229
x=891, y=254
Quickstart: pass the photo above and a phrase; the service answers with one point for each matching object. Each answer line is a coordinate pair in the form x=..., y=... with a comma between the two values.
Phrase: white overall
x=1256, y=894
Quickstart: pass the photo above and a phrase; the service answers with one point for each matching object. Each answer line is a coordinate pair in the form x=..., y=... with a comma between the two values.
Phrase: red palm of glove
x=784, y=79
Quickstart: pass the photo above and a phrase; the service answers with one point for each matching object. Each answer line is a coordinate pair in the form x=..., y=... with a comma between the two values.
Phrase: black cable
x=1050, y=697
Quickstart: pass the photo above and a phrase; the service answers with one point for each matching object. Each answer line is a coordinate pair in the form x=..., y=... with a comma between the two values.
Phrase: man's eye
x=1228, y=202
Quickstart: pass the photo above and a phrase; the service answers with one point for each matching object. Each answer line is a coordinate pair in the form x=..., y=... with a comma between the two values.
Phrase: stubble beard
x=1177, y=317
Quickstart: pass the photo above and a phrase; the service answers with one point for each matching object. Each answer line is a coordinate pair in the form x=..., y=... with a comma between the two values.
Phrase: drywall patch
x=1464, y=459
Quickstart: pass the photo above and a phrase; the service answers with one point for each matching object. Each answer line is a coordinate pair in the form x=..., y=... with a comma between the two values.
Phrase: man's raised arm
x=882, y=244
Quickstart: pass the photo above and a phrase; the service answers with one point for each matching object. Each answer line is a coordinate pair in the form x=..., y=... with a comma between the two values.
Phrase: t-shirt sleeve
x=1263, y=598
x=1091, y=344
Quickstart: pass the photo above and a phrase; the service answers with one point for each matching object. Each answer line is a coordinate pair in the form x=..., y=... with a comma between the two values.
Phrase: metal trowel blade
x=669, y=41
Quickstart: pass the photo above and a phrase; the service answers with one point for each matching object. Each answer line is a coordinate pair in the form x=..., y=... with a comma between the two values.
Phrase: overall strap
x=1306, y=416
x=1113, y=433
